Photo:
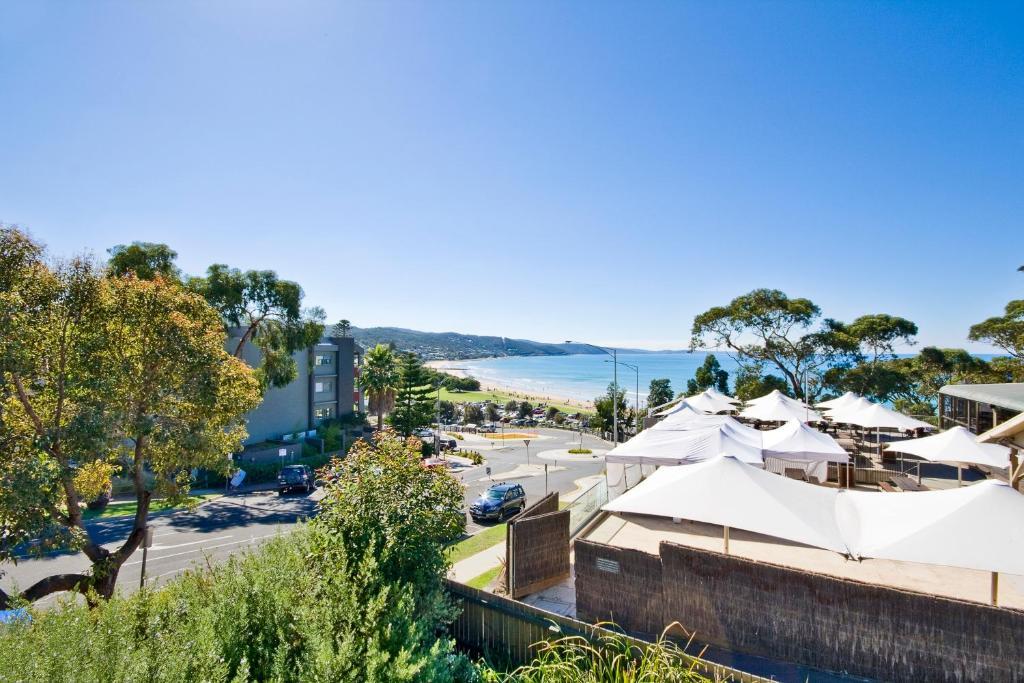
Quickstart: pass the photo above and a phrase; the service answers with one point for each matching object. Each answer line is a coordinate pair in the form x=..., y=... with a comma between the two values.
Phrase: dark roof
x=1009, y=395
x=502, y=486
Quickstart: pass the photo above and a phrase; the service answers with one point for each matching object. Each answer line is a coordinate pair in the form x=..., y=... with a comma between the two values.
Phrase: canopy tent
x=685, y=423
x=969, y=527
x=718, y=394
x=779, y=409
x=796, y=441
x=725, y=491
x=683, y=408
x=776, y=395
x=838, y=402
x=709, y=403
x=864, y=413
x=664, y=447
x=956, y=445
x=973, y=527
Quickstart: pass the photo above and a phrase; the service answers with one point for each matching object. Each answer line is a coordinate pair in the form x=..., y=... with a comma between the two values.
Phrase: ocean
x=587, y=376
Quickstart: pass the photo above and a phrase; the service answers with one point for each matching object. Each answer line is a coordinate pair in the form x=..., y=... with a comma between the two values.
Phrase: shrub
x=474, y=457
x=580, y=451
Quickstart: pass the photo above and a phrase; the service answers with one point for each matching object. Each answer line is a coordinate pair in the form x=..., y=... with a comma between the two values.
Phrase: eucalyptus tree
x=267, y=312
x=103, y=374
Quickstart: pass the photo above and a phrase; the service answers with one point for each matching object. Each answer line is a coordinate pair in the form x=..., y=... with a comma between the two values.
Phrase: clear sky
x=547, y=170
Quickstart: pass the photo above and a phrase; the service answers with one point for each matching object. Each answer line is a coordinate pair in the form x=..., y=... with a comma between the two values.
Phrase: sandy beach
x=451, y=367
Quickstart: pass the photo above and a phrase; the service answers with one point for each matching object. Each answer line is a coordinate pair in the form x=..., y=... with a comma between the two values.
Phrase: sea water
x=587, y=376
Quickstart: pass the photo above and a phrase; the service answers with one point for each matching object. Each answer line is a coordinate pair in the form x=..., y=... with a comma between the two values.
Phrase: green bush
x=355, y=595
x=474, y=456
x=580, y=451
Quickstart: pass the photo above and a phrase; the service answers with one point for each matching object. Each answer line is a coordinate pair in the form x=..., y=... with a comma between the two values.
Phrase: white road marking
x=179, y=545
x=197, y=550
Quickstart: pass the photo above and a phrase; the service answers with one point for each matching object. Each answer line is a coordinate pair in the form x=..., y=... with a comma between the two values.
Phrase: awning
x=727, y=492
x=956, y=445
x=665, y=447
x=709, y=403
x=838, y=402
x=864, y=413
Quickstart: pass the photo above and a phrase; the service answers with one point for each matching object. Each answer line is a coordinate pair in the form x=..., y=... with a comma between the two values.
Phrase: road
x=227, y=525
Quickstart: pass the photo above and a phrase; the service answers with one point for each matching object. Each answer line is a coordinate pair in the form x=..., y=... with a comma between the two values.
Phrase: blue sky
x=548, y=170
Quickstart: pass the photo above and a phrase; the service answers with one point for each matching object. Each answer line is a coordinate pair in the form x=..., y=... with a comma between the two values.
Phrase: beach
x=454, y=367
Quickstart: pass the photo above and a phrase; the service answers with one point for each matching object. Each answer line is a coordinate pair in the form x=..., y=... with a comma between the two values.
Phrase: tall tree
x=659, y=392
x=267, y=312
x=752, y=381
x=378, y=378
x=473, y=414
x=872, y=340
x=448, y=412
x=491, y=412
x=1005, y=331
x=709, y=375
x=604, y=407
x=766, y=328
x=342, y=328
x=414, y=396
x=525, y=409
x=146, y=260
x=98, y=373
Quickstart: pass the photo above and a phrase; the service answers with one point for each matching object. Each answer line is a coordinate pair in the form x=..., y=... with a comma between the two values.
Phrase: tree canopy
x=146, y=260
x=266, y=311
x=99, y=374
x=659, y=392
x=1005, y=331
x=709, y=375
x=378, y=378
x=414, y=396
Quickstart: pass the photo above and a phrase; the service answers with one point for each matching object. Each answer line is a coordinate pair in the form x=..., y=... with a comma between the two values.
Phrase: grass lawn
x=484, y=579
x=500, y=398
x=129, y=507
x=468, y=547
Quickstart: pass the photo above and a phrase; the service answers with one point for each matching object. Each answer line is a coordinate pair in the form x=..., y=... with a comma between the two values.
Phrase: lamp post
x=634, y=368
x=615, y=383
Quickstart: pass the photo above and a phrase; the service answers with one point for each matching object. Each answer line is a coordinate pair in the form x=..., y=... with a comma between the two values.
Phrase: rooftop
x=1009, y=395
x=644, y=533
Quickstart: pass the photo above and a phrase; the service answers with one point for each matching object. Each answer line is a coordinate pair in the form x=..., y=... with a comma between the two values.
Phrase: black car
x=498, y=502
x=294, y=477
x=446, y=443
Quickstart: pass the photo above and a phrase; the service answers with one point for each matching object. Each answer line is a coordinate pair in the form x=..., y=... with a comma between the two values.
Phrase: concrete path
x=475, y=565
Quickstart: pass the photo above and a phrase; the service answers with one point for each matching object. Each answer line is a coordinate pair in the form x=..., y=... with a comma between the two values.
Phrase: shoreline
x=449, y=366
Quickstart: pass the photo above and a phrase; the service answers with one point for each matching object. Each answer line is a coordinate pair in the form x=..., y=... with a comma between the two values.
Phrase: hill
x=453, y=345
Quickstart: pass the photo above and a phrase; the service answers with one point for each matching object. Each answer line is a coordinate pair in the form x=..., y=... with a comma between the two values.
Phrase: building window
x=323, y=360
x=323, y=413
x=325, y=386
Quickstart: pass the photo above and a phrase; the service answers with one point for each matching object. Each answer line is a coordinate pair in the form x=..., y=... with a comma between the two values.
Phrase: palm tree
x=378, y=379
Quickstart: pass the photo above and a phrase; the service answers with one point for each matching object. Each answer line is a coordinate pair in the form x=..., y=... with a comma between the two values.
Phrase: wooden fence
x=537, y=547
x=509, y=632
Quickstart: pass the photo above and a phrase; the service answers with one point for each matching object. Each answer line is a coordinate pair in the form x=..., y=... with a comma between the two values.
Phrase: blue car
x=498, y=502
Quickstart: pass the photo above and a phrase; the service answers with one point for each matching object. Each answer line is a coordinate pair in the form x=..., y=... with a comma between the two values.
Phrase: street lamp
x=615, y=383
x=635, y=369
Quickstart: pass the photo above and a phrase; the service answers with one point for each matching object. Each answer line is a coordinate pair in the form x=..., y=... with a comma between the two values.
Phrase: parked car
x=487, y=429
x=498, y=502
x=294, y=477
x=446, y=443
x=424, y=434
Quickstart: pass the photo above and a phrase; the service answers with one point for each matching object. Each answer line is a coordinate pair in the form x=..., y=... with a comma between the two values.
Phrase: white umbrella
x=709, y=403
x=685, y=423
x=864, y=413
x=780, y=409
x=776, y=395
x=796, y=441
x=838, y=402
x=719, y=394
x=957, y=445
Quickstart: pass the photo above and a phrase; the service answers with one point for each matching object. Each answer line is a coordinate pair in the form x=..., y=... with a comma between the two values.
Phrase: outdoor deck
x=645, y=533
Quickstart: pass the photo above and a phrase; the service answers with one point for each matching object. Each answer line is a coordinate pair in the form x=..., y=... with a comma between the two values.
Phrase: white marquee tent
x=969, y=527
x=681, y=409
x=864, y=413
x=776, y=395
x=796, y=441
x=779, y=409
x=709, y=403
x=838, y=402
x=726, y=397
x=665, y=447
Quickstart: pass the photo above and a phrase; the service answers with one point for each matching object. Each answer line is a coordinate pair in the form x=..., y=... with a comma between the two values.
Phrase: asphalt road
x=227, y=525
